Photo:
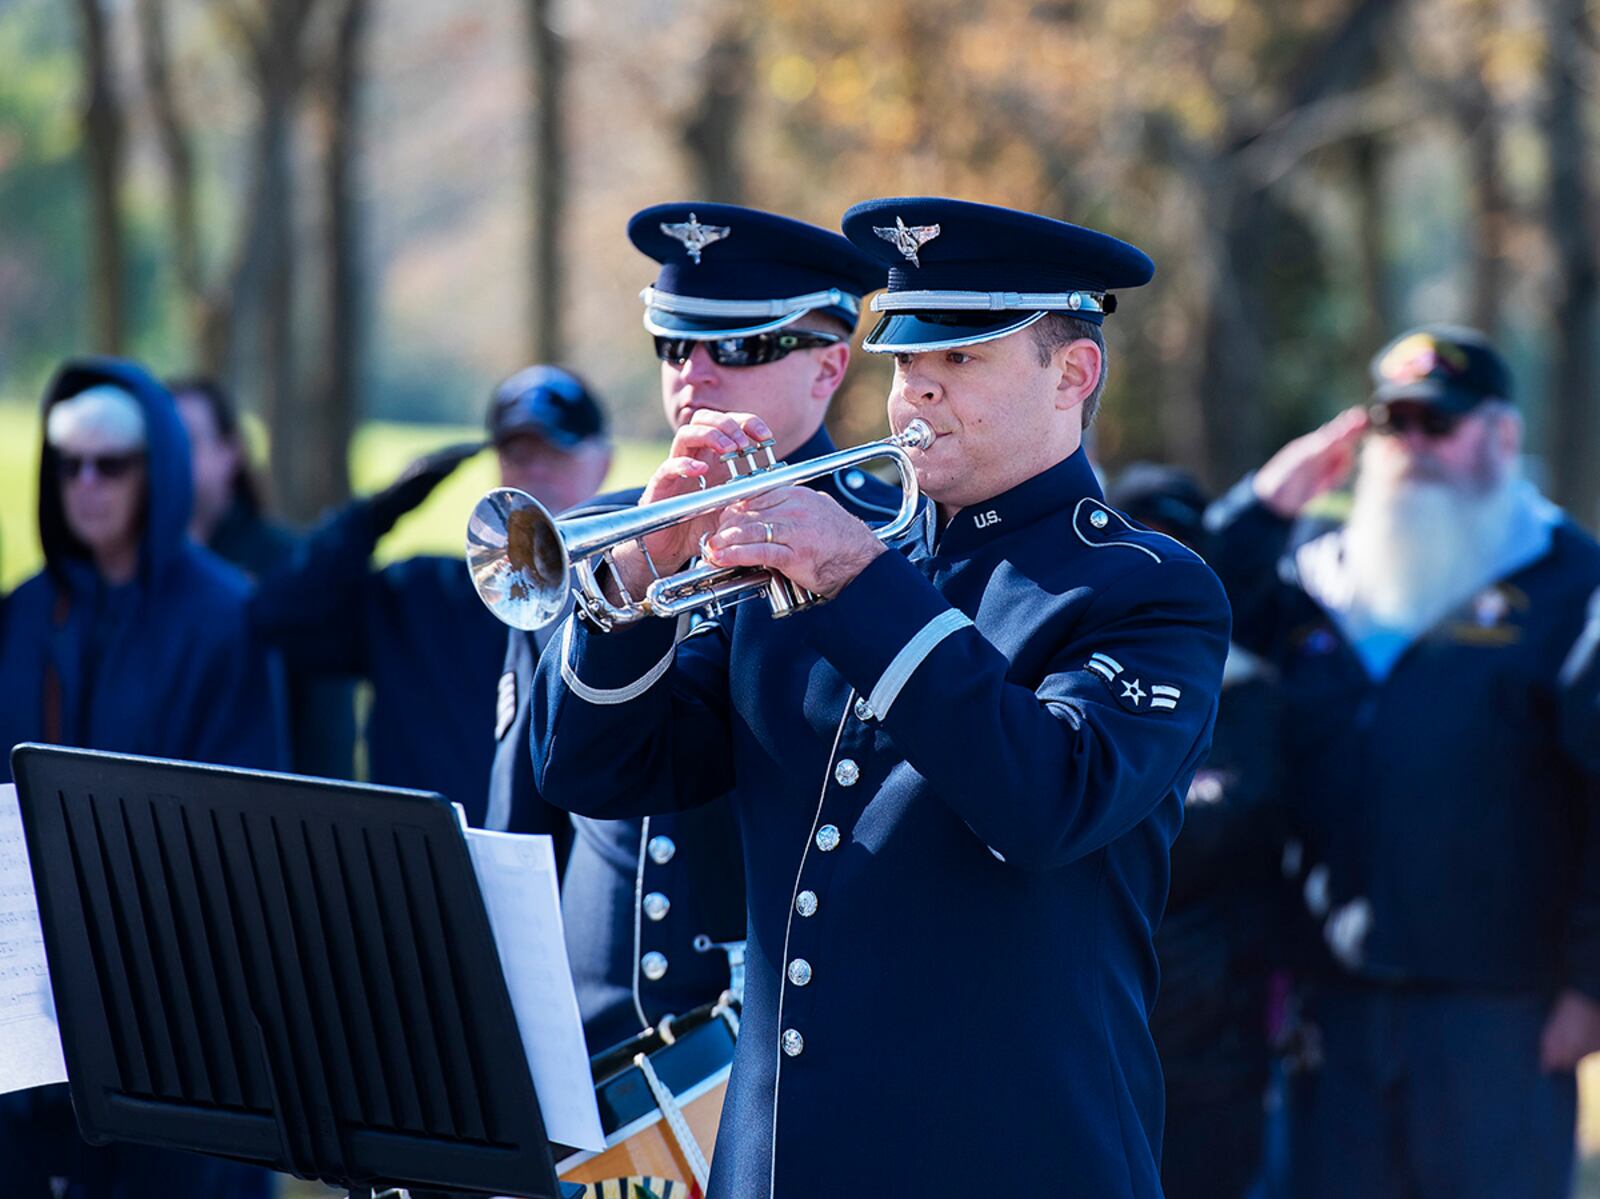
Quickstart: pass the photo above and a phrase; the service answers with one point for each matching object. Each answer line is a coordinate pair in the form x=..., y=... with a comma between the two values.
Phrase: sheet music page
x=30, y=1041
x=517, y=875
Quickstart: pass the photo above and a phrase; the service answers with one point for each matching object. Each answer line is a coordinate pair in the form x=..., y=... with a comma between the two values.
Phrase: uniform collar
x=1056, y=489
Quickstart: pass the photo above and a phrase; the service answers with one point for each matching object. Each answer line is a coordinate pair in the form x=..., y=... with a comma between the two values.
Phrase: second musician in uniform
x=957, y=779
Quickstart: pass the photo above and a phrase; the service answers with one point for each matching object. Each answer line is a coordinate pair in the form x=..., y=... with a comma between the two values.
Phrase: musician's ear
x=832, y=363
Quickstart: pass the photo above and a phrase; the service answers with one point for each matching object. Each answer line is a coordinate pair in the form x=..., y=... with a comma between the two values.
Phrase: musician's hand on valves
x=698, y=451
x=802, y=534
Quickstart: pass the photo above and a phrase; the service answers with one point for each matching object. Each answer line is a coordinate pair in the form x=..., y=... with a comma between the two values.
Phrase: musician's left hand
x=814, y=542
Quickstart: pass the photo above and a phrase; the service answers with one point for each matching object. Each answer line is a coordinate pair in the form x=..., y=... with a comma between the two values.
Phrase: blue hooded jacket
x=163, y=665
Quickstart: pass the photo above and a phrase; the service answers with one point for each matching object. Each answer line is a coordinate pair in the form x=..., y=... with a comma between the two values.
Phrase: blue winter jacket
x=163, y=665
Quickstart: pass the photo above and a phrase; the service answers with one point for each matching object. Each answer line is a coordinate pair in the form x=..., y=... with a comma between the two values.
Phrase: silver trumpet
x=522, y=558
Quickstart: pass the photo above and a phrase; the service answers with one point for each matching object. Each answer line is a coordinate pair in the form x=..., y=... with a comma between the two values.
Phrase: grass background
x=380, y=451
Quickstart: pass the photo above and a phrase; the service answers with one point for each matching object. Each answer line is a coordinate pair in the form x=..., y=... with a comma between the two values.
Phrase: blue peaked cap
x=727, y=271
x=962, y=273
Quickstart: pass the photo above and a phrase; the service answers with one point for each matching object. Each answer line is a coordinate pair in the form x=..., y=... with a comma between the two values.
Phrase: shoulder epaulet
x=1100, y=526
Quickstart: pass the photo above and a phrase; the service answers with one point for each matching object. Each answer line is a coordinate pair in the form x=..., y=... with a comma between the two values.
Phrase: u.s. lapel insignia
x=908, y=239
x=695, y=236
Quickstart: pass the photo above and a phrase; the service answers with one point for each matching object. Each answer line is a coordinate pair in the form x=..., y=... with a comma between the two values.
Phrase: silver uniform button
x=799, y=972
x=661, y=850
x=1099, y=519
x=793, y=1043
x=654, y=965
x=853, y=479
x=656, y=905
x=828, y=838
x=863, y=710
x=806, y=903
x=846, y=773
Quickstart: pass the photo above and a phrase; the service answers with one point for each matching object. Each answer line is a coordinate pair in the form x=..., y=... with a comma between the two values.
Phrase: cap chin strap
x=682, y=305
x=994, y=301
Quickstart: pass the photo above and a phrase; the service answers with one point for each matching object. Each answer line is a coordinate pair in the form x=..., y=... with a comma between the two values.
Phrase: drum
x=660, y=1099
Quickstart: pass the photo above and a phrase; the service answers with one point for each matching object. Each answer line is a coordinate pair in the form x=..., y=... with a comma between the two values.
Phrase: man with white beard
x=1443, y=789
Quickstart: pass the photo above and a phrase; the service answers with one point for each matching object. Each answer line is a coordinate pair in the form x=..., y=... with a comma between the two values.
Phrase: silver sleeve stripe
x=617, y=695
x=1164, y=689
x=1106, y=660
x=1101, y=669
x=910, y=657
x=1165, y=704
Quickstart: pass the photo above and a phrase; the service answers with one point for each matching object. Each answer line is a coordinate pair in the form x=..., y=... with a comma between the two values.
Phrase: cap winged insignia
x=907, y=239
x=695, y=236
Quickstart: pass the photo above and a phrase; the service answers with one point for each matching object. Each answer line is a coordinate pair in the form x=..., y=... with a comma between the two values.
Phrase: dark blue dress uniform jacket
x=1458, y=794
x=957, y=784
x=648, y=901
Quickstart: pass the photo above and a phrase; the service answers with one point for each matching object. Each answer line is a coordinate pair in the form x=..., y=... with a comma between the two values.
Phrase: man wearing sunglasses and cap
x=1443, y=785
x=958, y=776
x=415, y=629
x=749, y=312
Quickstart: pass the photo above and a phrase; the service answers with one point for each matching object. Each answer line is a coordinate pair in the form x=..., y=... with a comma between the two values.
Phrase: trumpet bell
x=517, y=559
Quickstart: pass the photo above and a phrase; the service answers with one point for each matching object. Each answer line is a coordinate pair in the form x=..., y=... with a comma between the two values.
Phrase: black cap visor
x=704, y=328
x=1435, y=392
x=917, y=332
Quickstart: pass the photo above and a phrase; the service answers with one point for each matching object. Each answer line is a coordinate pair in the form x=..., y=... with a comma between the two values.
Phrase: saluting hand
x=1571, y=1033
x=1312, y=464
x=802, y=534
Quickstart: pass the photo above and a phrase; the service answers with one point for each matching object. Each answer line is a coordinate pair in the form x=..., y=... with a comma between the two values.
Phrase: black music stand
x=293, y=972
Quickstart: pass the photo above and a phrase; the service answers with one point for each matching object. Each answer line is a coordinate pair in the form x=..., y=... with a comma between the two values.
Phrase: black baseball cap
x=546, y=401
x=1449, y=366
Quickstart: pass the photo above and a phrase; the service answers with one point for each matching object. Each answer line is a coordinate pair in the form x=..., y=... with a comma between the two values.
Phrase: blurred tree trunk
x=1574, y=406
x=1480, y=123
x=548, y=184
x=182, y=200
x=1378, y=315
x=1238, y=183
x=710, y=129
x=1233, y=365
x=278, y=68
x=322, y=476
x=103, y=143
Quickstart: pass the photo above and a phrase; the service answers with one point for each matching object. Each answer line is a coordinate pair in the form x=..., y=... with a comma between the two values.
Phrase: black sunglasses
x=1396, y=420
x=753, y=349
x=105, y=466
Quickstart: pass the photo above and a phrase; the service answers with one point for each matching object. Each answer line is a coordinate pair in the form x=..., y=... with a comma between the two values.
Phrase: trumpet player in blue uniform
x=957, y=775
x=752, y=312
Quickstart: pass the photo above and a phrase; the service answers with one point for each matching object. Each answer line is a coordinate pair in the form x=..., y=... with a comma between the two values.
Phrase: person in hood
x=132, y=638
